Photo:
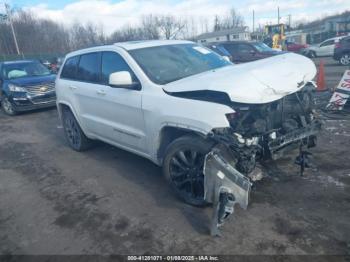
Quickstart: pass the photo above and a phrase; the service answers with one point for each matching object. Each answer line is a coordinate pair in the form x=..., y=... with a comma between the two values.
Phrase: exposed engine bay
x=257, y=132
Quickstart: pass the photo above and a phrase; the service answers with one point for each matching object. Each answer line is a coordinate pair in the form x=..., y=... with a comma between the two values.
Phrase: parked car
x=326, y=48
x=174, y=102
x=243, y=51
x=295, y=47
x=25, y=85
x=342, y=51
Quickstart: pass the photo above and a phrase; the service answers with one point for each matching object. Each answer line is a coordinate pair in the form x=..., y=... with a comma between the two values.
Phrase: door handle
x=101, y=92
x=72, y=87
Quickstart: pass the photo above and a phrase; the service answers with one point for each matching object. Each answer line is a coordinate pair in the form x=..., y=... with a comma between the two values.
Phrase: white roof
x=149, y=43
x=129, y=46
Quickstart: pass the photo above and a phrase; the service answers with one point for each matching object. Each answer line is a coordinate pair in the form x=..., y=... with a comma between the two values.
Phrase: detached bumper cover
x=224, y=186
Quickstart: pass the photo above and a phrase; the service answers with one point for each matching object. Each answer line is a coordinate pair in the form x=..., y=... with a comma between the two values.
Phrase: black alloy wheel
x=74, y=134
x=183, y=168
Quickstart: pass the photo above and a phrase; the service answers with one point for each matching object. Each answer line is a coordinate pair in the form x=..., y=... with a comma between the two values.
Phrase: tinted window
x=261, y=47
x=245, y=48
x=111, y=63
x=69, y=70
x=231, y=48
x=89, y=67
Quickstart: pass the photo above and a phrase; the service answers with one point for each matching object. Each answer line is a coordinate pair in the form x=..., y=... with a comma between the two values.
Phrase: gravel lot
x=107, y=201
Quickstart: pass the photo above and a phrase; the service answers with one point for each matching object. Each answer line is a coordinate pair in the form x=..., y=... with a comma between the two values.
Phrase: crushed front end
x=257, y=132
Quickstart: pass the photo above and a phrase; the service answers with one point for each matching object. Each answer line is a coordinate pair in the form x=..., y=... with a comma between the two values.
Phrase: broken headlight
x=14, y=88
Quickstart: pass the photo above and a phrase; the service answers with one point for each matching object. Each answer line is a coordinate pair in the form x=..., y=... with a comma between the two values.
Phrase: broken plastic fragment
x=224, y=186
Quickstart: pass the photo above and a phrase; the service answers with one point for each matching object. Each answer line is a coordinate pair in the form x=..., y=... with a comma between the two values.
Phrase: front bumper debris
x=282, y=144
x=26, y=102
x=224, y=186
x=230, y=168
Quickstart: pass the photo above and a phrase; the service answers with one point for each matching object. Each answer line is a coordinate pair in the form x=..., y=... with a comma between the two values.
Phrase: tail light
x=337, y=45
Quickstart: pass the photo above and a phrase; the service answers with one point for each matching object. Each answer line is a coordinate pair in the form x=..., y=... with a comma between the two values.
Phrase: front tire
x=7, y=106
x=183, y=168
x=73, y=133
x=312, y=54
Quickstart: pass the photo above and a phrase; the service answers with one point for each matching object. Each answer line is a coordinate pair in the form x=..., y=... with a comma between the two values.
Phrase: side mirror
x=122, y=79
x=226, y=58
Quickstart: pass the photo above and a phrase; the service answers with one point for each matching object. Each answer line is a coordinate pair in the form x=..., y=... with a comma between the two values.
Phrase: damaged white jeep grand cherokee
x=205, y=120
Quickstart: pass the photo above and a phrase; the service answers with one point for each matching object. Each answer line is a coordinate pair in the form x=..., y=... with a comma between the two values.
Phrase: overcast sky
x=113, y=14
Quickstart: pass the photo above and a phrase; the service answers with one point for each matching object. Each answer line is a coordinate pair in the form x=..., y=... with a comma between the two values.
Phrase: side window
x=111, y=63
x=69, y=70
x=245, y=48
x=231, y=48
x=89, y=68
x=330, y=42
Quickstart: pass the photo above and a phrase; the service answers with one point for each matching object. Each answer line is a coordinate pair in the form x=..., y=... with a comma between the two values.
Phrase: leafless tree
x=231, y=20
x=150, y=27
x=170, y=26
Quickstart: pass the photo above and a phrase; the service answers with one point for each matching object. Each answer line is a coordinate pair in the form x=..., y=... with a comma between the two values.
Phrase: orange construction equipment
x=321, y=83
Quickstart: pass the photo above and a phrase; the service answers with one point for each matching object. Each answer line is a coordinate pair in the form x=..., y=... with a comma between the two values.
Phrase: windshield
x=168, y=63
x=24, y=69
x=262, y=47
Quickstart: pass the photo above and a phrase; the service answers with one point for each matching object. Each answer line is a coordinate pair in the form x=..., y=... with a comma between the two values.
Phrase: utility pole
x=253, y=21
x=7, y=7
x=278, y=15
x=290, y=20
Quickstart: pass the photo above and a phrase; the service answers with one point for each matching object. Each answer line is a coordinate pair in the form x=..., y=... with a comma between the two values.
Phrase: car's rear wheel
x=7, y=106
x=74, y=134
x=183, y=168
x=345, y=59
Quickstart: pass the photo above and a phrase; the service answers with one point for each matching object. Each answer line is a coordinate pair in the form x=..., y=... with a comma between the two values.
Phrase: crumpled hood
x=258, y=82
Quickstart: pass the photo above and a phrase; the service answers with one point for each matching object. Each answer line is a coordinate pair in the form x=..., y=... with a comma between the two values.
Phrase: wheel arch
x=169, y=133
x=62, y=106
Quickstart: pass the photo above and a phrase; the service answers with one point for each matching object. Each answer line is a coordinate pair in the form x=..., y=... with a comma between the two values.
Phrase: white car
x=326, y=48
x=179, y=104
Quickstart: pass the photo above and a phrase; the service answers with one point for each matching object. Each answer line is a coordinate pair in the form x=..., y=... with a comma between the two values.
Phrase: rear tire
x=345, y=59
x=7, y=106
x=183, y=168
x=73, y=133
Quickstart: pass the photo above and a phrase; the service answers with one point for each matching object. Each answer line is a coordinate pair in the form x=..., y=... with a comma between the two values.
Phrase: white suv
x=174, y=102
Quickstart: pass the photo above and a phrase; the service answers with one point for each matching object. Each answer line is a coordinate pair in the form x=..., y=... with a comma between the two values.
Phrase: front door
x=326, y=48
x=121, y=108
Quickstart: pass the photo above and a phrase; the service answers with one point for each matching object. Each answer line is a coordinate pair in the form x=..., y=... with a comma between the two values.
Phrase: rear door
x=85, y=90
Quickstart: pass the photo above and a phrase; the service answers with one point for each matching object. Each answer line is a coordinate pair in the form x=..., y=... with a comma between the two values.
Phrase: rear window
x=69, y=70
x=89, y=68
